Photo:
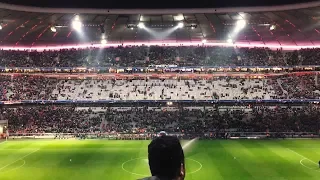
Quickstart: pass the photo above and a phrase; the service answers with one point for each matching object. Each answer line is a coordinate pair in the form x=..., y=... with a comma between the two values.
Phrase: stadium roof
x=293, y=25
x=146, y=4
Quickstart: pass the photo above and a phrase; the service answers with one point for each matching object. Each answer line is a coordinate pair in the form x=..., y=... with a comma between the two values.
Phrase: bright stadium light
x=180, y=25
x=241, y=24
x=141, y=25
x=103, y=41
x=179, y=17
x=77, y=18
x=204, y=41
x=53, y=29
x=272, y=27
x=229, y=41
x=76, y=24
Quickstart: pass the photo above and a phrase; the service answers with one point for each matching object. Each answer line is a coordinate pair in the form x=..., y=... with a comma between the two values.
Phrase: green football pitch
x=109, y=160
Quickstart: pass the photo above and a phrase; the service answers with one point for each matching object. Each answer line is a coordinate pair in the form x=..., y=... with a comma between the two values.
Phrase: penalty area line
x=24, y=162
x=18, y=159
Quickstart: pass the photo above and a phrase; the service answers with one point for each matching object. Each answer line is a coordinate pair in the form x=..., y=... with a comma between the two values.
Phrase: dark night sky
x=122, y=4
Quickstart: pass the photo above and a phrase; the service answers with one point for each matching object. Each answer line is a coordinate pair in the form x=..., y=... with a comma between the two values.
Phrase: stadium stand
x=32, y=87
x=190, y=120
x=163, y=89
x=41, y=88
x=147, y=55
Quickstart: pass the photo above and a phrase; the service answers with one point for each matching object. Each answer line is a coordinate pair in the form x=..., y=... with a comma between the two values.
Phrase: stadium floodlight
x=179, y=17
x=53, y=29
x=77, y=18
x=141, y=25
x=76, y=24
x=180, y=25
x=272, y=27
x=229, y=40
x=241, y=24
x=204, y=40
x=103, y=41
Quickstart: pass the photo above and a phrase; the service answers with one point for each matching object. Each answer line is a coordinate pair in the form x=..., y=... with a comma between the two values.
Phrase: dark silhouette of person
x=166, y=159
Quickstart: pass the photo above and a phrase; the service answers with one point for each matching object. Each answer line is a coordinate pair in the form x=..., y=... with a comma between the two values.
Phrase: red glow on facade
x=69, y=34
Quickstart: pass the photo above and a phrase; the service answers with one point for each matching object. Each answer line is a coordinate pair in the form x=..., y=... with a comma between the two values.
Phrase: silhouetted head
x=166, y=158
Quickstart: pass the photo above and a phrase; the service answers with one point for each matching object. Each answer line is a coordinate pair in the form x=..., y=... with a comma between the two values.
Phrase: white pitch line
x=302, y=156
x=3, y=142
x=316, y=169
x=18, y=159
x=137, y=174
x=200, y=167
x=24, y=162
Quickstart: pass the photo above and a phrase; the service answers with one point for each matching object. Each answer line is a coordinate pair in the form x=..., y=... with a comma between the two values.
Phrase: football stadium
x=124, y=93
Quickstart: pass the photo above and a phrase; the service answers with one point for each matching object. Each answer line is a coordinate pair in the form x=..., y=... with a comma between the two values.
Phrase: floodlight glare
x=179, y=17
x=229, y=40
x=272, y=27
x=141, y=25
x=180, y=25
x=241, y=24
x=204, y=41
x=76, y=18
x=103, y=41
x=76, y=24
x=53, y=29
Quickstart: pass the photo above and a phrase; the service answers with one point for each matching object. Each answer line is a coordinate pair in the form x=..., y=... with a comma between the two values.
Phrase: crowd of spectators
x=58, y=119
x=50, y=120
x=156, y=89
x=30, y=87
x=150, y=55
x=68, y=119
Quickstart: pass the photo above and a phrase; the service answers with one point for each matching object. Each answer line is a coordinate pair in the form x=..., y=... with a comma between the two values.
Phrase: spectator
x=166, y=159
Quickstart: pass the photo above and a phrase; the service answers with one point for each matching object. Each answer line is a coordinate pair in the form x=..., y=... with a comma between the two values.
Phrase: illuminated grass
x=102, y=159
